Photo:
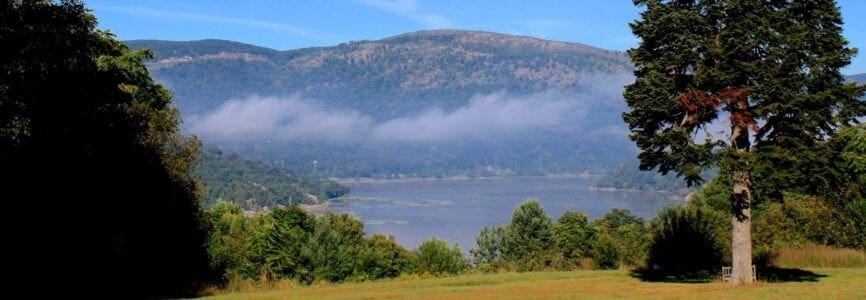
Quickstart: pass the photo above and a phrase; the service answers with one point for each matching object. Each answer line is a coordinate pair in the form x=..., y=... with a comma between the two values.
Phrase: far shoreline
x=370, y=180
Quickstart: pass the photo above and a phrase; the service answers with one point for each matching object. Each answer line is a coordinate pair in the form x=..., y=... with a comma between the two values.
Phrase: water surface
x=455, y=210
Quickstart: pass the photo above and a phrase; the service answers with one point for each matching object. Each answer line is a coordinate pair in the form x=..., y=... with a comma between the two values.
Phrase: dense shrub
x=800, y=221
x=383, y=257
x=627, y=233
x=686, y=242
x=435, y=257
x=605, y=253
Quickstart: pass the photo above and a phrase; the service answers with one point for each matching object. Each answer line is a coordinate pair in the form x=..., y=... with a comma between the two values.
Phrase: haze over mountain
x=859, y=78
x=429, y=103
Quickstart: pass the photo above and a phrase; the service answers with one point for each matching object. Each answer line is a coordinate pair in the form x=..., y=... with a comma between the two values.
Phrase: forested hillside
x=429, y=104
x=383, y=78
x=254, y=184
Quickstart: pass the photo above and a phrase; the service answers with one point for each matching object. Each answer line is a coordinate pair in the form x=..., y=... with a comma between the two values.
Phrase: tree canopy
x=99, y=170
x=770, y=68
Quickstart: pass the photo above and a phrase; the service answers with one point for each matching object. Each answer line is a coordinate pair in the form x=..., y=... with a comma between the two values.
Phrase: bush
x=382, y=257
x=802, y=221
x=686, y=242
x=434, y=256
x=605, y=253
x=628, y=234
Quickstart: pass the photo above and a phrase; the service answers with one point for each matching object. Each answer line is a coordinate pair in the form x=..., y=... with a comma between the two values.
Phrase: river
x=455, y=209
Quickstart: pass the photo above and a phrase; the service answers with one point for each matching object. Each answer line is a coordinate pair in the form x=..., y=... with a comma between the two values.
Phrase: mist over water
x=485, y=116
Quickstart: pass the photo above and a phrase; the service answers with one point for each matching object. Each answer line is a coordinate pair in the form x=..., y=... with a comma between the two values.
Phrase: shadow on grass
x=655, y=275
x=774, y=274
x=768, y=274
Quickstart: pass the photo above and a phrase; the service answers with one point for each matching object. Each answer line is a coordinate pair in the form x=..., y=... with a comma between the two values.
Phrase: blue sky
x=296, y=24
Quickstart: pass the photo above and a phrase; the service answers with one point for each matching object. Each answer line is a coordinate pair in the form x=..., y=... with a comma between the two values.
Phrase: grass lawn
x=824, y=283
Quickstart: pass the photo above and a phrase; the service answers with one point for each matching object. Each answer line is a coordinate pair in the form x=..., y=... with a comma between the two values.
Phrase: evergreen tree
x=529, y=233
x=771, y=67
x=95, y=164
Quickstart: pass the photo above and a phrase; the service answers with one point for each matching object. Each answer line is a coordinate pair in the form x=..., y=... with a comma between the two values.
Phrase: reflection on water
x=455, y=210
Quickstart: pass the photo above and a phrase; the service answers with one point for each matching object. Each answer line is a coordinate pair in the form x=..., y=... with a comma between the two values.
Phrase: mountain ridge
x=411, y=71
x=514, y=104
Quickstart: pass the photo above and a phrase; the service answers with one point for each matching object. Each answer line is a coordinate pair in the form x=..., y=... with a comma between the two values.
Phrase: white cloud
x=292, y=118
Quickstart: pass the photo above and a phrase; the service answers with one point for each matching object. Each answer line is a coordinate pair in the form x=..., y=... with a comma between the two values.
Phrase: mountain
x=859, y=78
x=429, y=103
x=254, y=184
x=388, y=77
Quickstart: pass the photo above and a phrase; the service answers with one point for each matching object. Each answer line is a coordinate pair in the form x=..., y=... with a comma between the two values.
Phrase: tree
x=335, y=245
x=282, y=249
x=771, y=67
x=574, y=236
x=529, y=233
x=383, y=257
x=489, y=241
x=100, y=171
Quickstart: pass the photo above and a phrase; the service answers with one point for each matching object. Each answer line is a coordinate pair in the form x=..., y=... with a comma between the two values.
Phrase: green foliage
x=382, y=257
x=335, y=246
x=490, y=243
x=230, y=243
x=529, y=232
x=605, y=253
x=627, y=232
x=435, y=257
x=282, y=249
x=688, y=241
x=801, y=221
x=88, y=137
x=574, y=236
x=288, y=243
x=709, y=46
x=254, y=184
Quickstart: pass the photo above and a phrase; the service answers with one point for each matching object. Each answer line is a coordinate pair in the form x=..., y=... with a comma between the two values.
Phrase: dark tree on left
x=97, y=192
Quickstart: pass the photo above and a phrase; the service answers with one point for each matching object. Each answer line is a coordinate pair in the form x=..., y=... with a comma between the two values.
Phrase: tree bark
x=741, y=199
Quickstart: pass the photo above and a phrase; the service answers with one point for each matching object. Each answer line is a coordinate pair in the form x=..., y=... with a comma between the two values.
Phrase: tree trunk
x=741, y=199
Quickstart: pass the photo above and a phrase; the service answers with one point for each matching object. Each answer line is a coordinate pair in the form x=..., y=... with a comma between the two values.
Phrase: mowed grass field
x=826, y=283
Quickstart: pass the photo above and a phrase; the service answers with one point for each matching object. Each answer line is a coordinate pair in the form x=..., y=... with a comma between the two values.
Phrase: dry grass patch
x=817, y=256
x=835, y=283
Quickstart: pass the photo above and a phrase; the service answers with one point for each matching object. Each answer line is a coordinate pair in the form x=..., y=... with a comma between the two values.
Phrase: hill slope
x=388, y=77
x=430, y=103
x=859, y=78
x=254, y=184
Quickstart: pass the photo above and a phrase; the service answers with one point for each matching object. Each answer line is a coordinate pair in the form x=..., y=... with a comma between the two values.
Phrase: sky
x=293, y=24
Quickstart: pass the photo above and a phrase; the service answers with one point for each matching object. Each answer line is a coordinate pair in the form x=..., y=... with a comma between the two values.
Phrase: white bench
x=726, y=274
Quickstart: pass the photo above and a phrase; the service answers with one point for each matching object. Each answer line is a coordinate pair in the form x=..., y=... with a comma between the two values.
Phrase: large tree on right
x=766, y=69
